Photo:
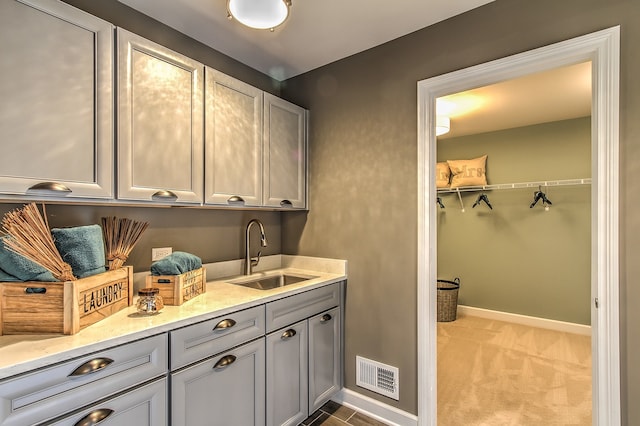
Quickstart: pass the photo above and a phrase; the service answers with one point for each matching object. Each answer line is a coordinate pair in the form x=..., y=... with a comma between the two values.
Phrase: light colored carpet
x=496, y=373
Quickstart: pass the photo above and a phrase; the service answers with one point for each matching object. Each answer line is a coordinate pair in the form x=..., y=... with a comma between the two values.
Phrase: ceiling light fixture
x=259, y=14
x=443, y=124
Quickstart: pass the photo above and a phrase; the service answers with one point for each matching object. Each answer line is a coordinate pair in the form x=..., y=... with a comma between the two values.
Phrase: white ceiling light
x=259, y=14
x=443, y=124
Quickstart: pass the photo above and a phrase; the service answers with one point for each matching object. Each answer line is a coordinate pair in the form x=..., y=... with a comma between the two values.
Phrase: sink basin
x=269, y=282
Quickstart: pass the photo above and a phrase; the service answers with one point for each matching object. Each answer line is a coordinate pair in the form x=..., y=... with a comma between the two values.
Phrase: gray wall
x=213, y=235
x=514, y=258
x=363, y=169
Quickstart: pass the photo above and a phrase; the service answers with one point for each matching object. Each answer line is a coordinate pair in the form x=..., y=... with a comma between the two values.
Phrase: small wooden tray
x=63, y=307
x=177, y=289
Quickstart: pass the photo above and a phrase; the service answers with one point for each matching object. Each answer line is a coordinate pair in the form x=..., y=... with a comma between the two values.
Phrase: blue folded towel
x=82, y=247
x=19, y=267
x=176, y=263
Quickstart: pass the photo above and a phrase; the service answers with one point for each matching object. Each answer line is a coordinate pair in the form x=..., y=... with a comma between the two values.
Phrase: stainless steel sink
x=272, y=281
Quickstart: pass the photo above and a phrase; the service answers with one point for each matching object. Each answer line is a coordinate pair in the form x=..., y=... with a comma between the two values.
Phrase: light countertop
x=22, y=353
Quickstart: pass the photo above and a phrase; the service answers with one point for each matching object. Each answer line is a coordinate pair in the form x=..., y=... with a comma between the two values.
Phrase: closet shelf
x=545, y=183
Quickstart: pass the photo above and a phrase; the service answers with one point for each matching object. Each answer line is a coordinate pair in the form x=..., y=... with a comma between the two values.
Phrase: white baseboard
x=375, y=409
x=549, y=324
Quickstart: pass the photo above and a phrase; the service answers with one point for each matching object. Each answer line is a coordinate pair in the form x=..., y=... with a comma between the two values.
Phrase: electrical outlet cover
x=159, y=253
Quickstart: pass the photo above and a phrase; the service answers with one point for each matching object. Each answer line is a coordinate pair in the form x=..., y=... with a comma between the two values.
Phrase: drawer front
x=142, y=406
x=289, y=310
x=53, y=391
x=208, y=338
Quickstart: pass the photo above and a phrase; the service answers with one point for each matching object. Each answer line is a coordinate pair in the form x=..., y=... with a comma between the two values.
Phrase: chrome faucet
x=248, y=261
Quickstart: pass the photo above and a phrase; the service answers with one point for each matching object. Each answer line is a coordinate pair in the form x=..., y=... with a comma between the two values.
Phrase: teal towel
x=176, y=263
x=19, y=267
x=82, y=247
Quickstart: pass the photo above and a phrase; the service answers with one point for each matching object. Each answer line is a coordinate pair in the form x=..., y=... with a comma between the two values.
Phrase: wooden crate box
x=63, y=307
x=177, y=289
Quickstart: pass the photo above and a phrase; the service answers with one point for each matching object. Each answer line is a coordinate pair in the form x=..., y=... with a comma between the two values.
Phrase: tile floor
x=334, y=414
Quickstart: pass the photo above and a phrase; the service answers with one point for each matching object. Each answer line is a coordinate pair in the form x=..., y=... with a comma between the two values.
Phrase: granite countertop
x=22, y=353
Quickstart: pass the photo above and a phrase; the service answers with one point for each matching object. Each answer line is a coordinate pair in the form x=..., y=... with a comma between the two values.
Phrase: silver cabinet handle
x=325, y=318
x=286, y=203
x=288, y=334
x=50, y=186
x=236, y=199
x=164, y=195
x=225, y=361
x=91, y=366
x=225, y=323
x=94, y=417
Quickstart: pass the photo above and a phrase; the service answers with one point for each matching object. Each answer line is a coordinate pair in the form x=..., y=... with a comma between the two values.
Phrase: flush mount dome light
x=259, y=14
x=443, y=124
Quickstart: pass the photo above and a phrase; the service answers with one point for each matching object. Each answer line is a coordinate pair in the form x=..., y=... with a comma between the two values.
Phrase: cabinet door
x=287, y=375
x=285, y=154
x=233, y=141
x=142, y=406
x=56, y=108
x=222, y=391
x=325, y=358
x=160, y=132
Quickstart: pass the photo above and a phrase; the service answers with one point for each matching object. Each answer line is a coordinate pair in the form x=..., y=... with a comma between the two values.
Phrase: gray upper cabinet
x=233, y=141
x=160, y=123
x=56, y=108
x=285, y=156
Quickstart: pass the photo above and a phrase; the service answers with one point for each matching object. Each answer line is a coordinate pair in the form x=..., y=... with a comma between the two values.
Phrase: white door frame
x=603, y=49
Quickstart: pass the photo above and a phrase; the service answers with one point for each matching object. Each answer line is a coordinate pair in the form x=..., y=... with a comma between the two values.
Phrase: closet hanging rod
x=565, y=182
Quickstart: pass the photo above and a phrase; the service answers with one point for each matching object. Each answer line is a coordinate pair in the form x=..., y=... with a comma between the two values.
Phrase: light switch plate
x=159, y=253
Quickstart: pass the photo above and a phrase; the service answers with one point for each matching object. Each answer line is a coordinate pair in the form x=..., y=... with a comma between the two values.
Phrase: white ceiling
x=317, y=32
x=560, y=94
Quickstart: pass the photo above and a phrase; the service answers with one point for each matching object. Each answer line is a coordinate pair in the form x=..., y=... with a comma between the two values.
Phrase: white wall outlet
x=159, y=253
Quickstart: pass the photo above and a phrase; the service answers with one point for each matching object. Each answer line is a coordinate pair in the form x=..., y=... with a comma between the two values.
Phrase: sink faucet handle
x=256, y=260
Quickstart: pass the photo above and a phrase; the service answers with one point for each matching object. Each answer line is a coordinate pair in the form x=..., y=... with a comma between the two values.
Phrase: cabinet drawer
x=289, y=310
x=142, y=406
x=208, y=338
x=52, y=391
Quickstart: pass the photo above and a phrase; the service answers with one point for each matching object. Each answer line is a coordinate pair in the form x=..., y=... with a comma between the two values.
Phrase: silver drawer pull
x=325, y=318
x=225, y=361
x=288, y=334
x=50, y=186
x=164, y=195
x=236, y=199
x=91, y=366
x=225, y=323
x=94, y=417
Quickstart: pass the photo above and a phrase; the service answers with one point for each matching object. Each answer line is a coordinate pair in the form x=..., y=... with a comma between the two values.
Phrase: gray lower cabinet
x=287, y=375
x=144, y=406
x=304, y=359
x=325, y=357
x=228, y=389
x=53, y=392
x=56, y=101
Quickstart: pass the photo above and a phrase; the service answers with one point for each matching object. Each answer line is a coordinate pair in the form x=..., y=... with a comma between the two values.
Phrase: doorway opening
x=602, y=49
x=517, y=235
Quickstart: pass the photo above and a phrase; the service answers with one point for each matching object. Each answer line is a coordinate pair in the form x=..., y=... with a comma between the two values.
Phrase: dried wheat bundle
x=30, y=236
x=120, y=236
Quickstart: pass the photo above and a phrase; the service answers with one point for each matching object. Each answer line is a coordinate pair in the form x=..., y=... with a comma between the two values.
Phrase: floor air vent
x=377, y=377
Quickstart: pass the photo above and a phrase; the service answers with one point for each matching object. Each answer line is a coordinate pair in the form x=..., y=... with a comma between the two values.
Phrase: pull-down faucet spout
x=249, y=262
